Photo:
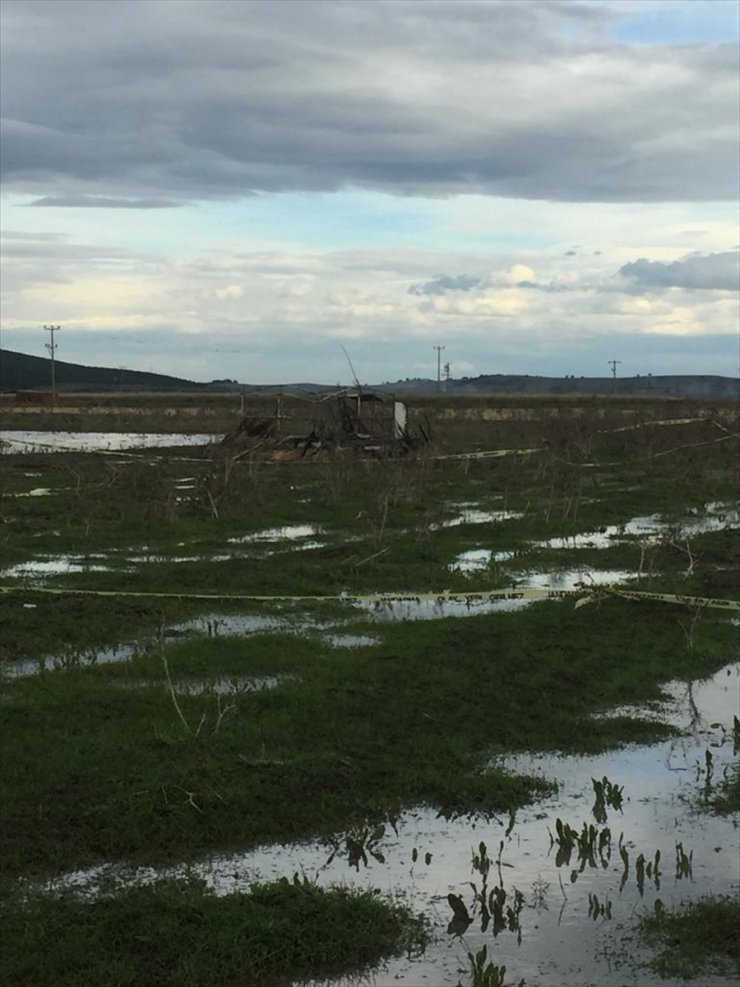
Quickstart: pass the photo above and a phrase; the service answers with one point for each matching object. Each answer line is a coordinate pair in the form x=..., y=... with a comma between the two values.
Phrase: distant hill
x=674, y=386
x=20, y=372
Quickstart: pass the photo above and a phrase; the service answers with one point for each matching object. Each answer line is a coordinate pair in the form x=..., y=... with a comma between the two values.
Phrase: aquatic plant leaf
x=458, y=907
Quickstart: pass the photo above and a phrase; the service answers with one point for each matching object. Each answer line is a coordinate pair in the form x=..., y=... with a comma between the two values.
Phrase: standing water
x=572, y=917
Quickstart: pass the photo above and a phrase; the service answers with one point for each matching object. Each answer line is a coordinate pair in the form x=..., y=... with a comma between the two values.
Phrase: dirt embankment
x=120, y=419
x=151, y=414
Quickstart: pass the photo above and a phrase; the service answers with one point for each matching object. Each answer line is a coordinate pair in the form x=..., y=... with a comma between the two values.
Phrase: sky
x=232, y=189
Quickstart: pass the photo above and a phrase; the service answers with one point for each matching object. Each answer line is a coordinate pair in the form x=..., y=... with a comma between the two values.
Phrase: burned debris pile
x=353, y=419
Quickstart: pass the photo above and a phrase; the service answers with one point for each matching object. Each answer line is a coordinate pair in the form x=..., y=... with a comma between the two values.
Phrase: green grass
x=37, y=625
x=174, y=934
x=93, y=771
x=698, y=939
x=100, y=764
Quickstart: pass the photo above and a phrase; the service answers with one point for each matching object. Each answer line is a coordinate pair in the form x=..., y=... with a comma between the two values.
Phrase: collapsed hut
x=352, y=419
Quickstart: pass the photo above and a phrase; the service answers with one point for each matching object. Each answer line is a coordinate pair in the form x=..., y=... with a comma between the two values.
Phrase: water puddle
x=227, y=685
x=417, y=608
x=212, y=625
x=352, y=640
x=392, y=609
x=472, y=515
x=571, y=915
x=569, y=579
x=161, y=559
x=116, y=561
x=299, y=546
x=239, y=625
x=83, y=659
x=650, y=528
x=290, y=532
x=12, y=441
x=478, y=560
x=58, y=565
x=36, y=492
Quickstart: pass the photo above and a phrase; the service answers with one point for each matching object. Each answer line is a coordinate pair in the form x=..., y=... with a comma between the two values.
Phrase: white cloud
x=232, y=291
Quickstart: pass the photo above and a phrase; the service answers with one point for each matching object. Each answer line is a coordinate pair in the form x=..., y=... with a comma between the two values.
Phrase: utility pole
x=613, y=365
x=439, y=365
x=51, y=347
x=446, y=369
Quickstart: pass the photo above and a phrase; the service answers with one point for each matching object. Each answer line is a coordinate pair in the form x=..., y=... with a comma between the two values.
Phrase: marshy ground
x=173, y=746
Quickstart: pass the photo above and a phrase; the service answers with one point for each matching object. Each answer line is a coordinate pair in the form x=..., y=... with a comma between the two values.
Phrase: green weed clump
x=727, y=797
x=486, y=973
x=721, y=795
x=700, y=938
x=175, y=934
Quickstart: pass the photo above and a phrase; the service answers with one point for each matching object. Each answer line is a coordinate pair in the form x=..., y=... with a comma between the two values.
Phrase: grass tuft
x=699, y=938
x=174, y=934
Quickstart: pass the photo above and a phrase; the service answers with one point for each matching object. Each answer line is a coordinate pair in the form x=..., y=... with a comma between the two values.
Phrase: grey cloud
x=142, y=100
x=552, y=287
x=23, y=235
x=720, y=271
x=102, y=202
x=58, y=250
x=444, y=283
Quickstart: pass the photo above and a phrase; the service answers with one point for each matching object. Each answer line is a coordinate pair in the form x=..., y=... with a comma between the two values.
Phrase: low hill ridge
x=20, y=371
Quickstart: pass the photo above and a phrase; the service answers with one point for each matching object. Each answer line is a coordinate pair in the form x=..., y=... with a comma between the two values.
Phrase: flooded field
x=380, y=675
x=560, y=934
x=17, y=442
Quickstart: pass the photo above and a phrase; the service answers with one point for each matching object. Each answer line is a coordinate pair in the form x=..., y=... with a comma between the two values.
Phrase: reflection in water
x=569, y=921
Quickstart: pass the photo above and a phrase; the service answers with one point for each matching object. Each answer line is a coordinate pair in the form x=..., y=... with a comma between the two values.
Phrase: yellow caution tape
x=489, y=454
x=495, y=453
x=713, y=603
x=585, y=592
x=649, y=424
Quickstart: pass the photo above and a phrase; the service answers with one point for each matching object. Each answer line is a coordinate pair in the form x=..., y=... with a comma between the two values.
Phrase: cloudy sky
x=224, y=188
